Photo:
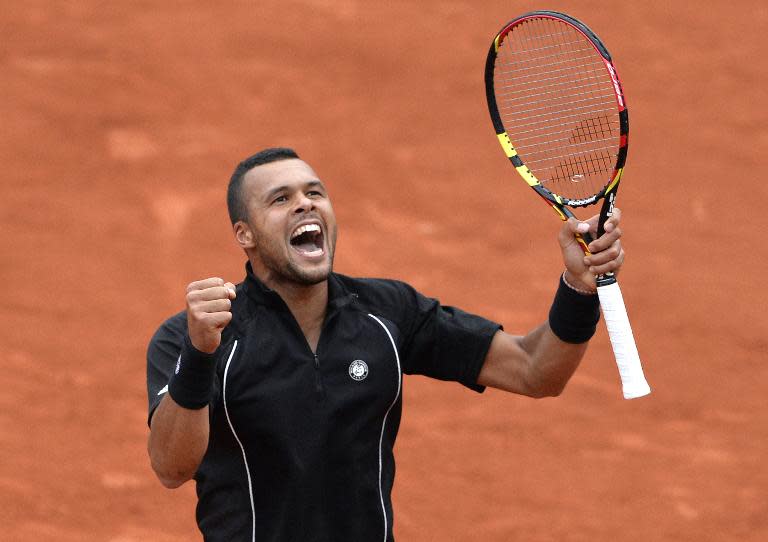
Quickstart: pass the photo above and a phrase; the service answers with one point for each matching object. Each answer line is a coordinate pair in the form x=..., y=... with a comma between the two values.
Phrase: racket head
x=558, y=108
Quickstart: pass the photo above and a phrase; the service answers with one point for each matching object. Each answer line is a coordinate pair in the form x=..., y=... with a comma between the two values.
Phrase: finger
x=231, y=287
x=568, y=233
x=604, y=256
x=610, y=266
x=215, y=292
x=605, y=241
x=215, y=305
x=216, y=320
x=205, y=283
x=592, y=221
x=574, y=226
x=613, y=220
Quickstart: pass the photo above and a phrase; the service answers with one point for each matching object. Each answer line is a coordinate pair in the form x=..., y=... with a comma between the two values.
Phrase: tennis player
x=281, y=396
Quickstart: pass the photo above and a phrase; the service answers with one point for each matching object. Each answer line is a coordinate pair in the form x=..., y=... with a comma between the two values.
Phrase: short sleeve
x=162, y=355
x=444, y=342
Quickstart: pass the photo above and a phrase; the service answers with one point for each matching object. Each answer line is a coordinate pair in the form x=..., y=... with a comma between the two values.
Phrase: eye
x=280, y=199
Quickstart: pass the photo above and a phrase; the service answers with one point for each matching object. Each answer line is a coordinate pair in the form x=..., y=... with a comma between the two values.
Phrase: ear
x=244, y=235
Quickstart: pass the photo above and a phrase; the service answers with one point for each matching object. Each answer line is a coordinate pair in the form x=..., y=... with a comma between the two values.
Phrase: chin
x=310, y=277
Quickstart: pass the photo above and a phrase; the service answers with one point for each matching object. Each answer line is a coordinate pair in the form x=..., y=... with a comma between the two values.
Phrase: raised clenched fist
x=208, y=312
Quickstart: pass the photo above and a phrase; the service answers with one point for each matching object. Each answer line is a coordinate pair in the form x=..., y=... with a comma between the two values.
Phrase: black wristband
x=191, y=385
x=573, y=316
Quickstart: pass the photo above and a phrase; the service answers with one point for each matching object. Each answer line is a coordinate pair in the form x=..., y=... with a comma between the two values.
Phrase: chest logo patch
x=358, y=370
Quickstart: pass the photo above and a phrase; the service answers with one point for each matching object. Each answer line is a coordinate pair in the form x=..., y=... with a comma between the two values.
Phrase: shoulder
x=172, y=329
x=392, y=298
x=176, y=323
x=375, y=288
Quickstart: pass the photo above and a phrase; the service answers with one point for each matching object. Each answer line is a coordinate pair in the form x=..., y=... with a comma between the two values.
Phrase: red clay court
x=122, y=123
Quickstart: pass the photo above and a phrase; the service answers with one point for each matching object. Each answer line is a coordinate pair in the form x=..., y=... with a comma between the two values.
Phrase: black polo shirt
x=301, y=443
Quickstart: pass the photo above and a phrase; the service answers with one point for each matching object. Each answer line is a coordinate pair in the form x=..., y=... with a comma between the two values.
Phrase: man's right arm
x=179, y=427
x=177, y=441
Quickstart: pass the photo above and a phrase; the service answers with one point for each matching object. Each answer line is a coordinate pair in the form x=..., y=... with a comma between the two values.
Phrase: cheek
x=330, y=217
x=272, y=224
x=268, y=233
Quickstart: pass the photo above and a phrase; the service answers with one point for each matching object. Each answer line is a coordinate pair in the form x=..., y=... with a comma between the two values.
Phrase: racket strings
x=577, y=111
x=544, y=92
x=576, y=166
x=567, y=64
x=592, y=130
x=557, y=105
x=559, y=83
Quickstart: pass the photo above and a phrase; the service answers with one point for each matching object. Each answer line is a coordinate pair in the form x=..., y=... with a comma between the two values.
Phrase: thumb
x=577, y=226
x=230, y=290
x=573, y=226
x=570, y=230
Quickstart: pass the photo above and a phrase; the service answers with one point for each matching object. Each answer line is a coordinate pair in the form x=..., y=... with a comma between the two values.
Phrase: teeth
x=305, y=228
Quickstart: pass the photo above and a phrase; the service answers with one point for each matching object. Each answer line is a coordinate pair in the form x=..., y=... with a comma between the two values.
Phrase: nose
x=304, y=204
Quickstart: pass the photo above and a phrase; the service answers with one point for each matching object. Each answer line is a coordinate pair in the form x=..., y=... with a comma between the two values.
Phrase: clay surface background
x=121, y=125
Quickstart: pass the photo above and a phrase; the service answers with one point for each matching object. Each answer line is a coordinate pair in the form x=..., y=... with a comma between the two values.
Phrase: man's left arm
x=540, y=363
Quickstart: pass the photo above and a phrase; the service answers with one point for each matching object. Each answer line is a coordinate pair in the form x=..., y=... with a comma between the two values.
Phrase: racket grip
x=623, y=342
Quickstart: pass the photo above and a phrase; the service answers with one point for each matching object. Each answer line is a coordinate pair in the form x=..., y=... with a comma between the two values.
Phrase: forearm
x=537, y=364
x=557, y=347
x=551, y=361
x=540, y=363
x=178, y=440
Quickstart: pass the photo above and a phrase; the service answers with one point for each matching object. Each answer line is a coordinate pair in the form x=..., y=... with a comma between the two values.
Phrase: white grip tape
x=624, y=347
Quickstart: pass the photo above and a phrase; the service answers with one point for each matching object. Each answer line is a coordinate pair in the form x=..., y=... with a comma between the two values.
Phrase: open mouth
x=308, y=240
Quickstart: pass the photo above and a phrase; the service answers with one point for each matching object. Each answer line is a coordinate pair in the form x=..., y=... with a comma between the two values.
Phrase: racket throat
x=606, y=212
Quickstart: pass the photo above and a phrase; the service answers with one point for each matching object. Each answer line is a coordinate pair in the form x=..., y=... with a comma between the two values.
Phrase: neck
x=307, y=302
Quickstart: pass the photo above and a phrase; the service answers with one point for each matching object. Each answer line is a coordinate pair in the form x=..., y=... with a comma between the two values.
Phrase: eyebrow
x=309, y=184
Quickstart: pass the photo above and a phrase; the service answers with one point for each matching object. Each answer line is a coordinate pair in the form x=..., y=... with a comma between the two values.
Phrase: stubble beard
x=285, y=270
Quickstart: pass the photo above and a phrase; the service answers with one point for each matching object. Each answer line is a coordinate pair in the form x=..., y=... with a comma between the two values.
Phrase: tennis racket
x=560, y=115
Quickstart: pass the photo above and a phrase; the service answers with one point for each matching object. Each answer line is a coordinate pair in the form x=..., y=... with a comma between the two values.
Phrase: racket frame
x=611, y=300
x=559, y=203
